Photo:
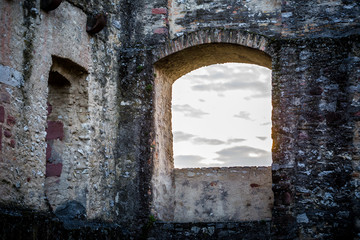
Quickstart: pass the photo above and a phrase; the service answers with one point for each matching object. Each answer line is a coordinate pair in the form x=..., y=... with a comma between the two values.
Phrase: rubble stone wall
x=116, y=164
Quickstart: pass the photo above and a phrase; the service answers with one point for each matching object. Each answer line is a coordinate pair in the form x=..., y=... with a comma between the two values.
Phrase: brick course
x=2, y=114
x=53, y=169
x=10, y=120
x=55, y=130
x=159, y=11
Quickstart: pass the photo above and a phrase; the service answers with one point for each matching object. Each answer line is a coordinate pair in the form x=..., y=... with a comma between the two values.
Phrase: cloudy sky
x=221, y=116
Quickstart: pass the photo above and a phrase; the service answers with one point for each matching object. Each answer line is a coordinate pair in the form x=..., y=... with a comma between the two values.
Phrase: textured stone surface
x=55, y=130
x=223, y=194
x=2, y=114
x=10, y=77
x=116, y=151
x=53, y=170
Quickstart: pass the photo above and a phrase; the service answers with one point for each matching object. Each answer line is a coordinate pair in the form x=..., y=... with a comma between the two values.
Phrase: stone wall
x=10, y=114
x=223, y=194
x=48, y=37
x=256, y=16
x=123, y=163
x=311, y=183
x=273, y=18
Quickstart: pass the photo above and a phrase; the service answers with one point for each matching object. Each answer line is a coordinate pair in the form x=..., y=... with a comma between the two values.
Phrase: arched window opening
x=221, y=117
x=218, y=193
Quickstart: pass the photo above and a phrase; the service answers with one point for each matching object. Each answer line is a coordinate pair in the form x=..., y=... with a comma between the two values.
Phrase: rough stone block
x=10, y=76
x=159, y=11
x=0, y=138
x=161, y=30
x=49, y=108
x=7, y=133
x=2, y=114
x=12, y=143
x=53, y=170
x=5, y=97
x=287, y=199
x=55, y=130
x=11, y=120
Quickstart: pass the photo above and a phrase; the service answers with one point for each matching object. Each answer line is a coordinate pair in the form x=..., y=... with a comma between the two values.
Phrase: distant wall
x=223, y=194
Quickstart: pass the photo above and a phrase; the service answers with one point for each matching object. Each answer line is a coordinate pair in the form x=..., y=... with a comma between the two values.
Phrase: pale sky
x=221, y=117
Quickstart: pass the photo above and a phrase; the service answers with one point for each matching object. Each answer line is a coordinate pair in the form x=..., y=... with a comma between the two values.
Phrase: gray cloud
x=265, y=123
x=266, y=94
x=188, y=161
x=207, y=141
x=262, y=138
x=189, y=111
x=180, y=136
x=226, y=71
x=244, y=156
x=243, y=115
x=235, y=140
x=225, y=78
x=246, y=81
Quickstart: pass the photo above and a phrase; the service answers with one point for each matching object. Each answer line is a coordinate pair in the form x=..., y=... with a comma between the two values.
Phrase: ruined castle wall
x=50, y=159
x=354, y=77
x=314, y=52
x=312, y=140
x=272, y=18
x=256, y=16
x=42, y=41
x=223, y=194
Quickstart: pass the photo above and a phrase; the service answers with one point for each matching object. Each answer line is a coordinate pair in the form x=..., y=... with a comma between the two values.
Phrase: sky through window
x=221, y=116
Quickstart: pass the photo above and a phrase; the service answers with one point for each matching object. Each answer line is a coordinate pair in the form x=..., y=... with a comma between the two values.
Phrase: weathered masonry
x=85, y=119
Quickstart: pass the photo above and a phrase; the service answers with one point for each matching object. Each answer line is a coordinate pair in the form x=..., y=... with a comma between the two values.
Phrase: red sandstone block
x=12, y=143
x=10, y=120
x=7, y=133
x=287, y=199
x=5, y=97
x=303, y=135
x=53, y=169
x=49, y=108
x=2, y=114
x=162, y=30
x=159, y=11
x=55, y=130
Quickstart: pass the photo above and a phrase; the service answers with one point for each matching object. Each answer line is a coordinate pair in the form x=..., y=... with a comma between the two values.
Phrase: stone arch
x=176, y=58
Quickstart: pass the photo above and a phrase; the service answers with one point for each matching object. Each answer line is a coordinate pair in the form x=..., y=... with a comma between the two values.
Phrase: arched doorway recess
x=180, y=58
